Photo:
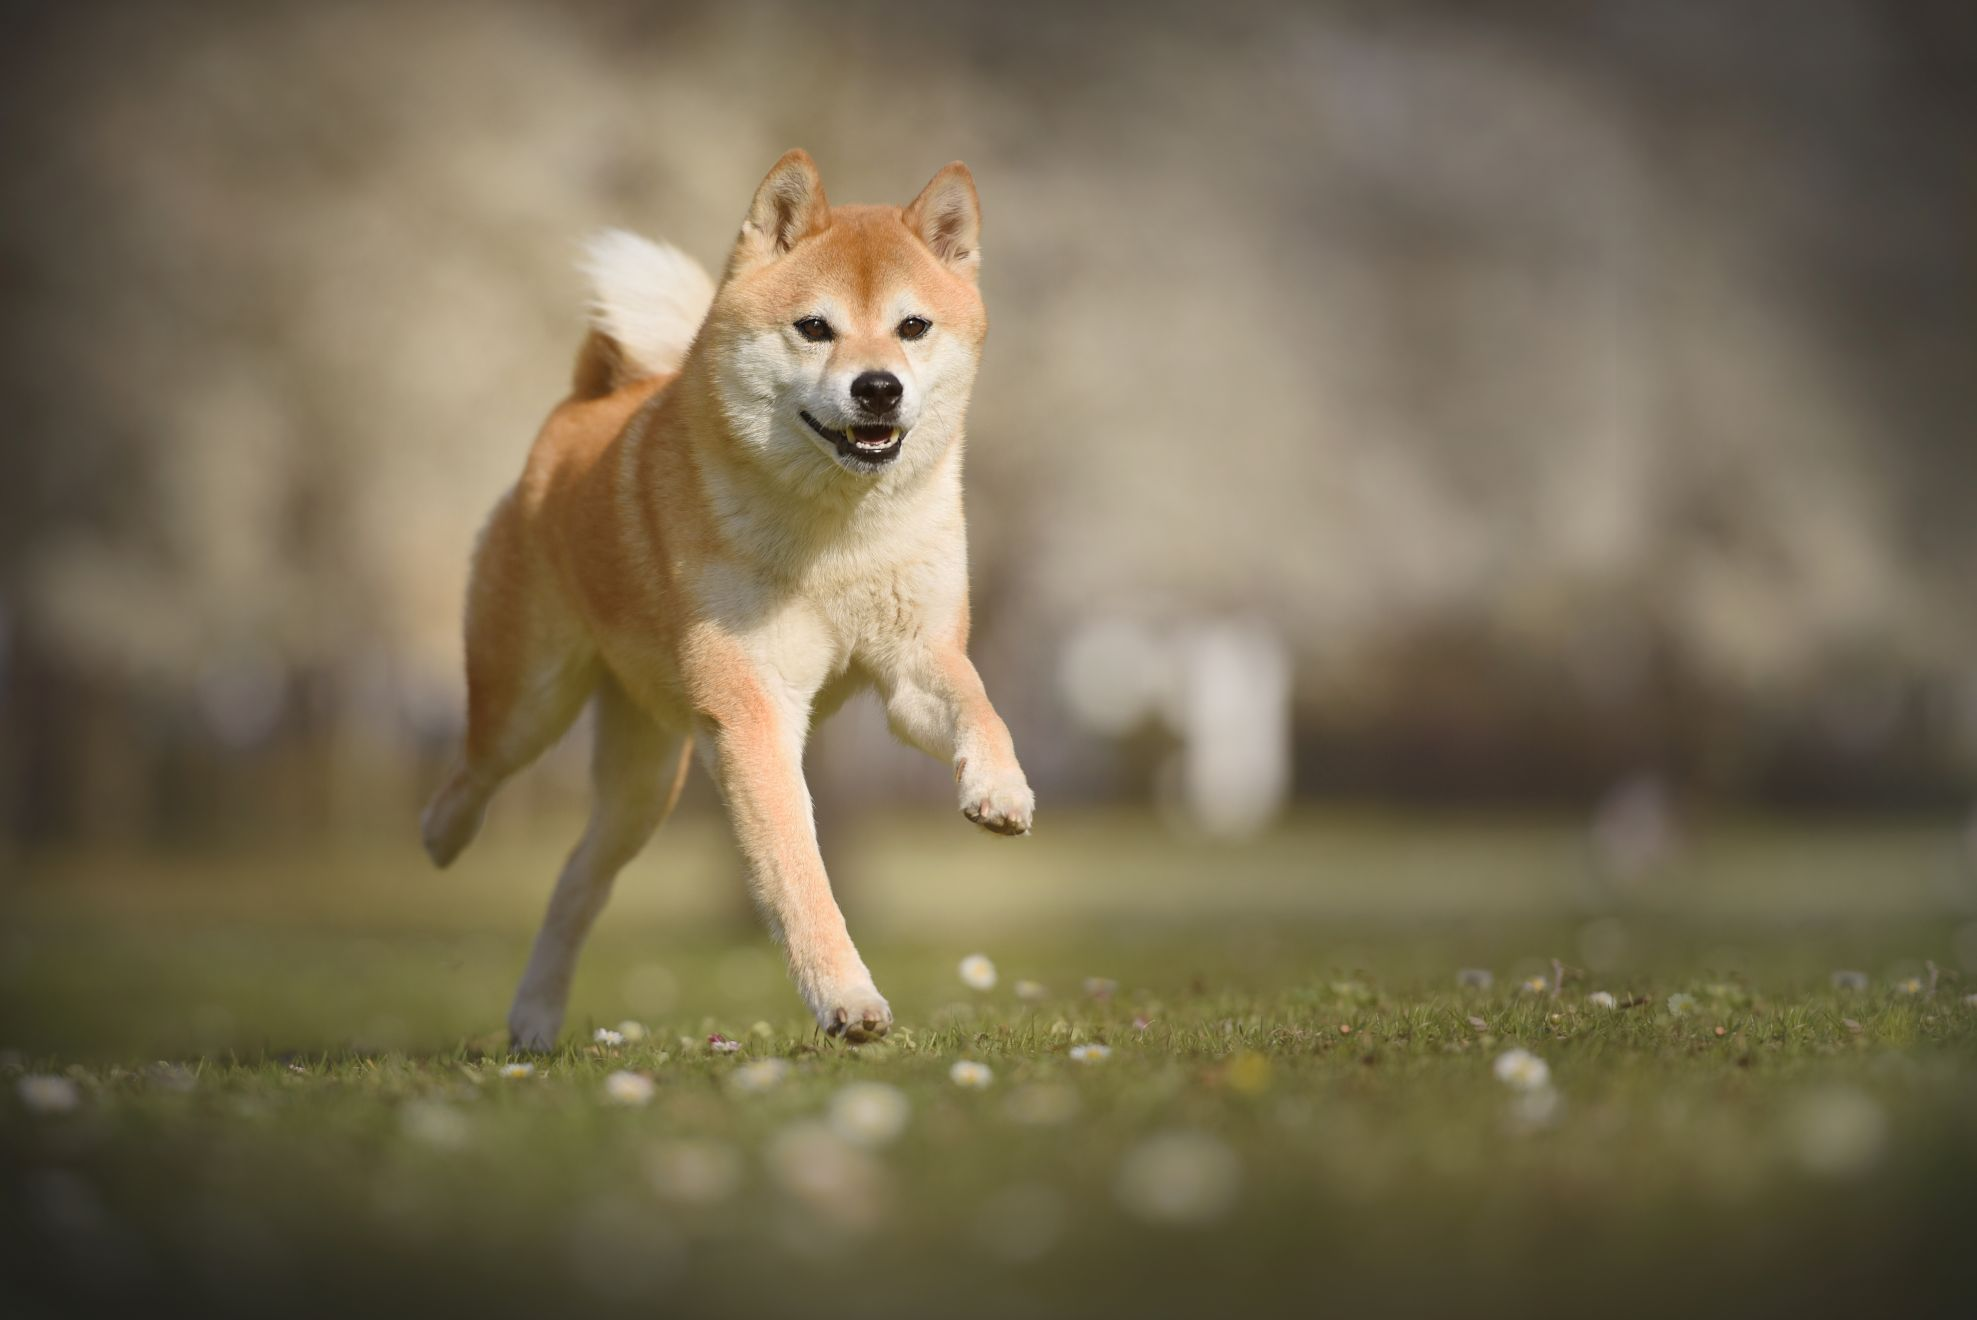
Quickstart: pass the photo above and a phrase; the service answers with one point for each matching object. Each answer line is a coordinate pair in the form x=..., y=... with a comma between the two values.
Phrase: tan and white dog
x=748, y=508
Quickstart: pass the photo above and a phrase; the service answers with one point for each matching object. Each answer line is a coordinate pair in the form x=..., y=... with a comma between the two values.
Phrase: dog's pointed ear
x=947, y=215
x=789, y=207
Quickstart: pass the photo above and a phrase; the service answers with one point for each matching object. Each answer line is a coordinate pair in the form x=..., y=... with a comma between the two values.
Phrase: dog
x=747, y=509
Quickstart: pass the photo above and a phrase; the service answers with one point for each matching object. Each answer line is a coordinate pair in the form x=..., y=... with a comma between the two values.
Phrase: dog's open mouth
x=873, y=445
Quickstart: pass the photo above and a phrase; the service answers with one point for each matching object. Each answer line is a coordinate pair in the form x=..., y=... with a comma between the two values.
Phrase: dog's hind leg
x=530, y=665
x=635, y=784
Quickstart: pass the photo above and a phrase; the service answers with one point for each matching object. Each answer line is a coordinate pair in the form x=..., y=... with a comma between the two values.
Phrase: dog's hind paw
x=532, y=1029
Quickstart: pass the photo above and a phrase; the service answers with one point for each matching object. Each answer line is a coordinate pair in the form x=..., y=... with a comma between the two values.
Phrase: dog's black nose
x=877, y=392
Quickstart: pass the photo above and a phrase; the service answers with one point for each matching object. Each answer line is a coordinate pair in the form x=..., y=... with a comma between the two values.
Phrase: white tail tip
x=649, y=297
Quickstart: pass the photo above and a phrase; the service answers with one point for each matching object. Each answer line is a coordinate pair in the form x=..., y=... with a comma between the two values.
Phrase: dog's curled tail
x=647, y=302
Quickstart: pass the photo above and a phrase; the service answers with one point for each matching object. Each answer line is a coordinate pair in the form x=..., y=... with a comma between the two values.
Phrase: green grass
x=330, y=1130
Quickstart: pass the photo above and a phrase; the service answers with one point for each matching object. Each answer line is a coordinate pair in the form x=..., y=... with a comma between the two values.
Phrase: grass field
x=273, y=1083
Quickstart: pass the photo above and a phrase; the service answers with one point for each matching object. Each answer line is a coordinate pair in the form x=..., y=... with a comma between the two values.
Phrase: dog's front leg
x=935, y=701
x=754, y=739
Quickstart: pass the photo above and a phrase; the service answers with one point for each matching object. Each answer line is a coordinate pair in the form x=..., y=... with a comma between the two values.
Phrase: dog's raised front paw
x=1001, y=804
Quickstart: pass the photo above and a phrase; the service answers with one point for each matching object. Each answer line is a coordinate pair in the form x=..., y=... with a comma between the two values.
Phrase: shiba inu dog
x=748, y=508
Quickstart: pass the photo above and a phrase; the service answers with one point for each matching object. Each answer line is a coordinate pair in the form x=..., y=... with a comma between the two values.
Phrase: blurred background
x=1552, y=405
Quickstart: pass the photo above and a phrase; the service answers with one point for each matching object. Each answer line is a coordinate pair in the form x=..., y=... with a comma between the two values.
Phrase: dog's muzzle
x=871, y=446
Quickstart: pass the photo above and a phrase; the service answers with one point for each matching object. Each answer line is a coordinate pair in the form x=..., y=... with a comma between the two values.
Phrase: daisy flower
x=606, y=1036
x=46, y=1094
x=758, y=1076
x=1475, y=978
x=870, y=1113
x=631, y=1030
x=517, y=1071
x=1680, y=1003
x=1602, y=999
x=1101, y=987
x=1092, y=1053
x=1909, y=985
x=977, y=972
x=722, y=1045
x=1521, y=1070
x=628, y=1088
x=967, y=1073
x=1030, y=991
x=1536, y=985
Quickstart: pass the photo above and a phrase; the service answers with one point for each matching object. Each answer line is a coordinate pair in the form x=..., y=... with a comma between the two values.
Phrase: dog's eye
x=914, y=326
x=815, y=329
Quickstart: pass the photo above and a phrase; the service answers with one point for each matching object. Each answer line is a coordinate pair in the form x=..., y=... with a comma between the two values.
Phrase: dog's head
x=846, y=338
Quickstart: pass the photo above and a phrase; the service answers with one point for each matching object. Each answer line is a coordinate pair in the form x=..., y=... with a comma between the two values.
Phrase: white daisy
x=974, y=1076
x=1092, y=1053
x=759, y=1076
x=631, y=1030
x=1476, y=978
x=606, y=1036
x=516, y=1071
x=628, y=1088
x=47, y=1094
x=1909, y=985
x=1521, y=1070
x=870, y=1113
x=1602, y=999
x=1536, y=985
x=722, y=1045
x=1031, y=991
x=1101, y=987
x=977, y=972
x=1679, y=1003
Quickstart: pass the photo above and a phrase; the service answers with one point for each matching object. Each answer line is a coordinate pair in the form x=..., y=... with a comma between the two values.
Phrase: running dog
x=748, y=508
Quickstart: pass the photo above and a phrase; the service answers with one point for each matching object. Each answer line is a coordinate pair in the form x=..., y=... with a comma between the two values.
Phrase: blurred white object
x=1838, y=1132
x=1236, y=728
x=1113, y=674
x=1185, y=1178
x=1222, y=687
x=1634, y=829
